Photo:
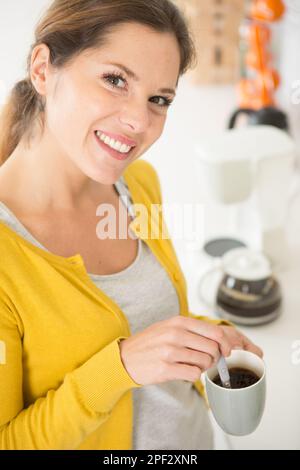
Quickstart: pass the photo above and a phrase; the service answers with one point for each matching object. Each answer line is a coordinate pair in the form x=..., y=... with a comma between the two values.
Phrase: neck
x=46, y=180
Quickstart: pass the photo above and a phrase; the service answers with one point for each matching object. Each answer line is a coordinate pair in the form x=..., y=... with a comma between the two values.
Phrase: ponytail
x=17, y=116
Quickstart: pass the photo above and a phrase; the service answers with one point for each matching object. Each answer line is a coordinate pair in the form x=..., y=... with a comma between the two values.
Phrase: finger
x=194, y=358
x=199, y=343
x=236, y=341
x=225, y=348
x=184, y=372
x=210, y=331
x=249, y=346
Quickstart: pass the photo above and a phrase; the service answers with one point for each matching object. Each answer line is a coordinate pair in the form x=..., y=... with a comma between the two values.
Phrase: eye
x=114, y=78
x=165, y=101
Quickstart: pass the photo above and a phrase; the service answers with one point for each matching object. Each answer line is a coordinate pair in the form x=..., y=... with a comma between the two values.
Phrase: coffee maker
x=244, y=180
x=245, y=175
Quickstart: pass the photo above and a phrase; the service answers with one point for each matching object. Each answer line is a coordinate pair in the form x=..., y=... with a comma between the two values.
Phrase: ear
x=40, y=68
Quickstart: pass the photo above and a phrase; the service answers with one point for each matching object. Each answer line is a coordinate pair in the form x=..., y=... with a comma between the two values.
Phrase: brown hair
x=68, y=27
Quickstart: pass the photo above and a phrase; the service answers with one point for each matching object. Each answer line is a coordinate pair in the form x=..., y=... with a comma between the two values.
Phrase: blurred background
x=233, y=136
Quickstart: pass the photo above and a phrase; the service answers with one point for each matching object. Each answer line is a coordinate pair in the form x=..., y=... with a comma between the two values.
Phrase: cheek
x=65, y=127
x=73, y=114
x=159, y=126
x=65, y=113
x=100, y=107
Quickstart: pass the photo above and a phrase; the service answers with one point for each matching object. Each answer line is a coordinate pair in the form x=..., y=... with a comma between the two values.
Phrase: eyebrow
x=132, y=75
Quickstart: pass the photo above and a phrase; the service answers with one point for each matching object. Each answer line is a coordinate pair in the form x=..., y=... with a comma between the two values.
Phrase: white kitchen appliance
x=244, y=180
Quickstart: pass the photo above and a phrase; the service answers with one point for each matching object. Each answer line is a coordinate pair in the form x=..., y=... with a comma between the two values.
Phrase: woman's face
x=95, y=94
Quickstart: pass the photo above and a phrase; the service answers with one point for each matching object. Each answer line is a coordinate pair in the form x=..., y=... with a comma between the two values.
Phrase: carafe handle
x=237, y=113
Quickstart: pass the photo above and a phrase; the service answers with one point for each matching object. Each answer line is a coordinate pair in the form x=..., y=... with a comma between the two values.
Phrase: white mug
x=238, y=411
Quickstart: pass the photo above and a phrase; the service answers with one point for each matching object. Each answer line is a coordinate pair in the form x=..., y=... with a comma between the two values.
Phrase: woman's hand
x=238, y=340
x=180, y=348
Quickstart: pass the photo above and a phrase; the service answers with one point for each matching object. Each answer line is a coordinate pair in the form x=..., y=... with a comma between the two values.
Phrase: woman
x=101, y=351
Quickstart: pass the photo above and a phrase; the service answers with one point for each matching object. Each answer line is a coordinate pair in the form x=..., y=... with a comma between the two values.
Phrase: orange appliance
x=257, y=87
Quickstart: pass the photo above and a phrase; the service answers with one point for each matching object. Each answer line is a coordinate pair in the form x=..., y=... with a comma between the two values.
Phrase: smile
x=113, y=147
x=112, y=143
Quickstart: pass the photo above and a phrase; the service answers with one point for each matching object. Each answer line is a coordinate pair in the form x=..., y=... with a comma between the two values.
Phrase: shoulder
x=6, y=238
x=144, y=174
x=10, y=251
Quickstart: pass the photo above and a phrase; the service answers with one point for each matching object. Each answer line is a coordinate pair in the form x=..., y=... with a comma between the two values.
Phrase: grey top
x=171, y=415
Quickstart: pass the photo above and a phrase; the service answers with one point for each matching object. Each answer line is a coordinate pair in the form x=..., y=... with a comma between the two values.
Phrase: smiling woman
x=87, y=27
x=101, y=351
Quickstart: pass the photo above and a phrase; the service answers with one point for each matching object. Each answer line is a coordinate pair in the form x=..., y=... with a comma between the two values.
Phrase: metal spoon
x=223, y=372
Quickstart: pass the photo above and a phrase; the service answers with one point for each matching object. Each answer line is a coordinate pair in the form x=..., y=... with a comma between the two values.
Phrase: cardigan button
x=176, y=277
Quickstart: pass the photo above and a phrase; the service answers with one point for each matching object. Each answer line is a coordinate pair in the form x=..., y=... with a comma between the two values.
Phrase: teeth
x=115, y=144
x=107, y=140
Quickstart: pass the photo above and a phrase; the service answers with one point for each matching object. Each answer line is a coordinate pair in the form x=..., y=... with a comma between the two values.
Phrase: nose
x=135, y=115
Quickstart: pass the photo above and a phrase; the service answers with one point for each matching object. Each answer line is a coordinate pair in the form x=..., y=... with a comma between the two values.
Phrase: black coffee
x=239, y=378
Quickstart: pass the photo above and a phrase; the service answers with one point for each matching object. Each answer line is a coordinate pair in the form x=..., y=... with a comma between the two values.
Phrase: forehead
x=141, y=49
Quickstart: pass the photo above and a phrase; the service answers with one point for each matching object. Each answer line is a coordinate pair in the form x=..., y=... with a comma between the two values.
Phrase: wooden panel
x=215, y=27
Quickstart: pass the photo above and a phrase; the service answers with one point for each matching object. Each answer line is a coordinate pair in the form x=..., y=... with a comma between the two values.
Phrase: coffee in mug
x=239, y=378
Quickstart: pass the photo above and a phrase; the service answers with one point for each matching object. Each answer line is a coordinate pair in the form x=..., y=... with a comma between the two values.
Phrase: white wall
x=17, y=19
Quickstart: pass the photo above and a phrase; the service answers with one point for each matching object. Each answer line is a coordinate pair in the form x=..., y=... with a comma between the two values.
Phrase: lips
x=119, y=138
x=112, y=152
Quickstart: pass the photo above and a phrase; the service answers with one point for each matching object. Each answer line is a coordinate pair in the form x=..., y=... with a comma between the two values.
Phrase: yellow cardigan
x=62, y=382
